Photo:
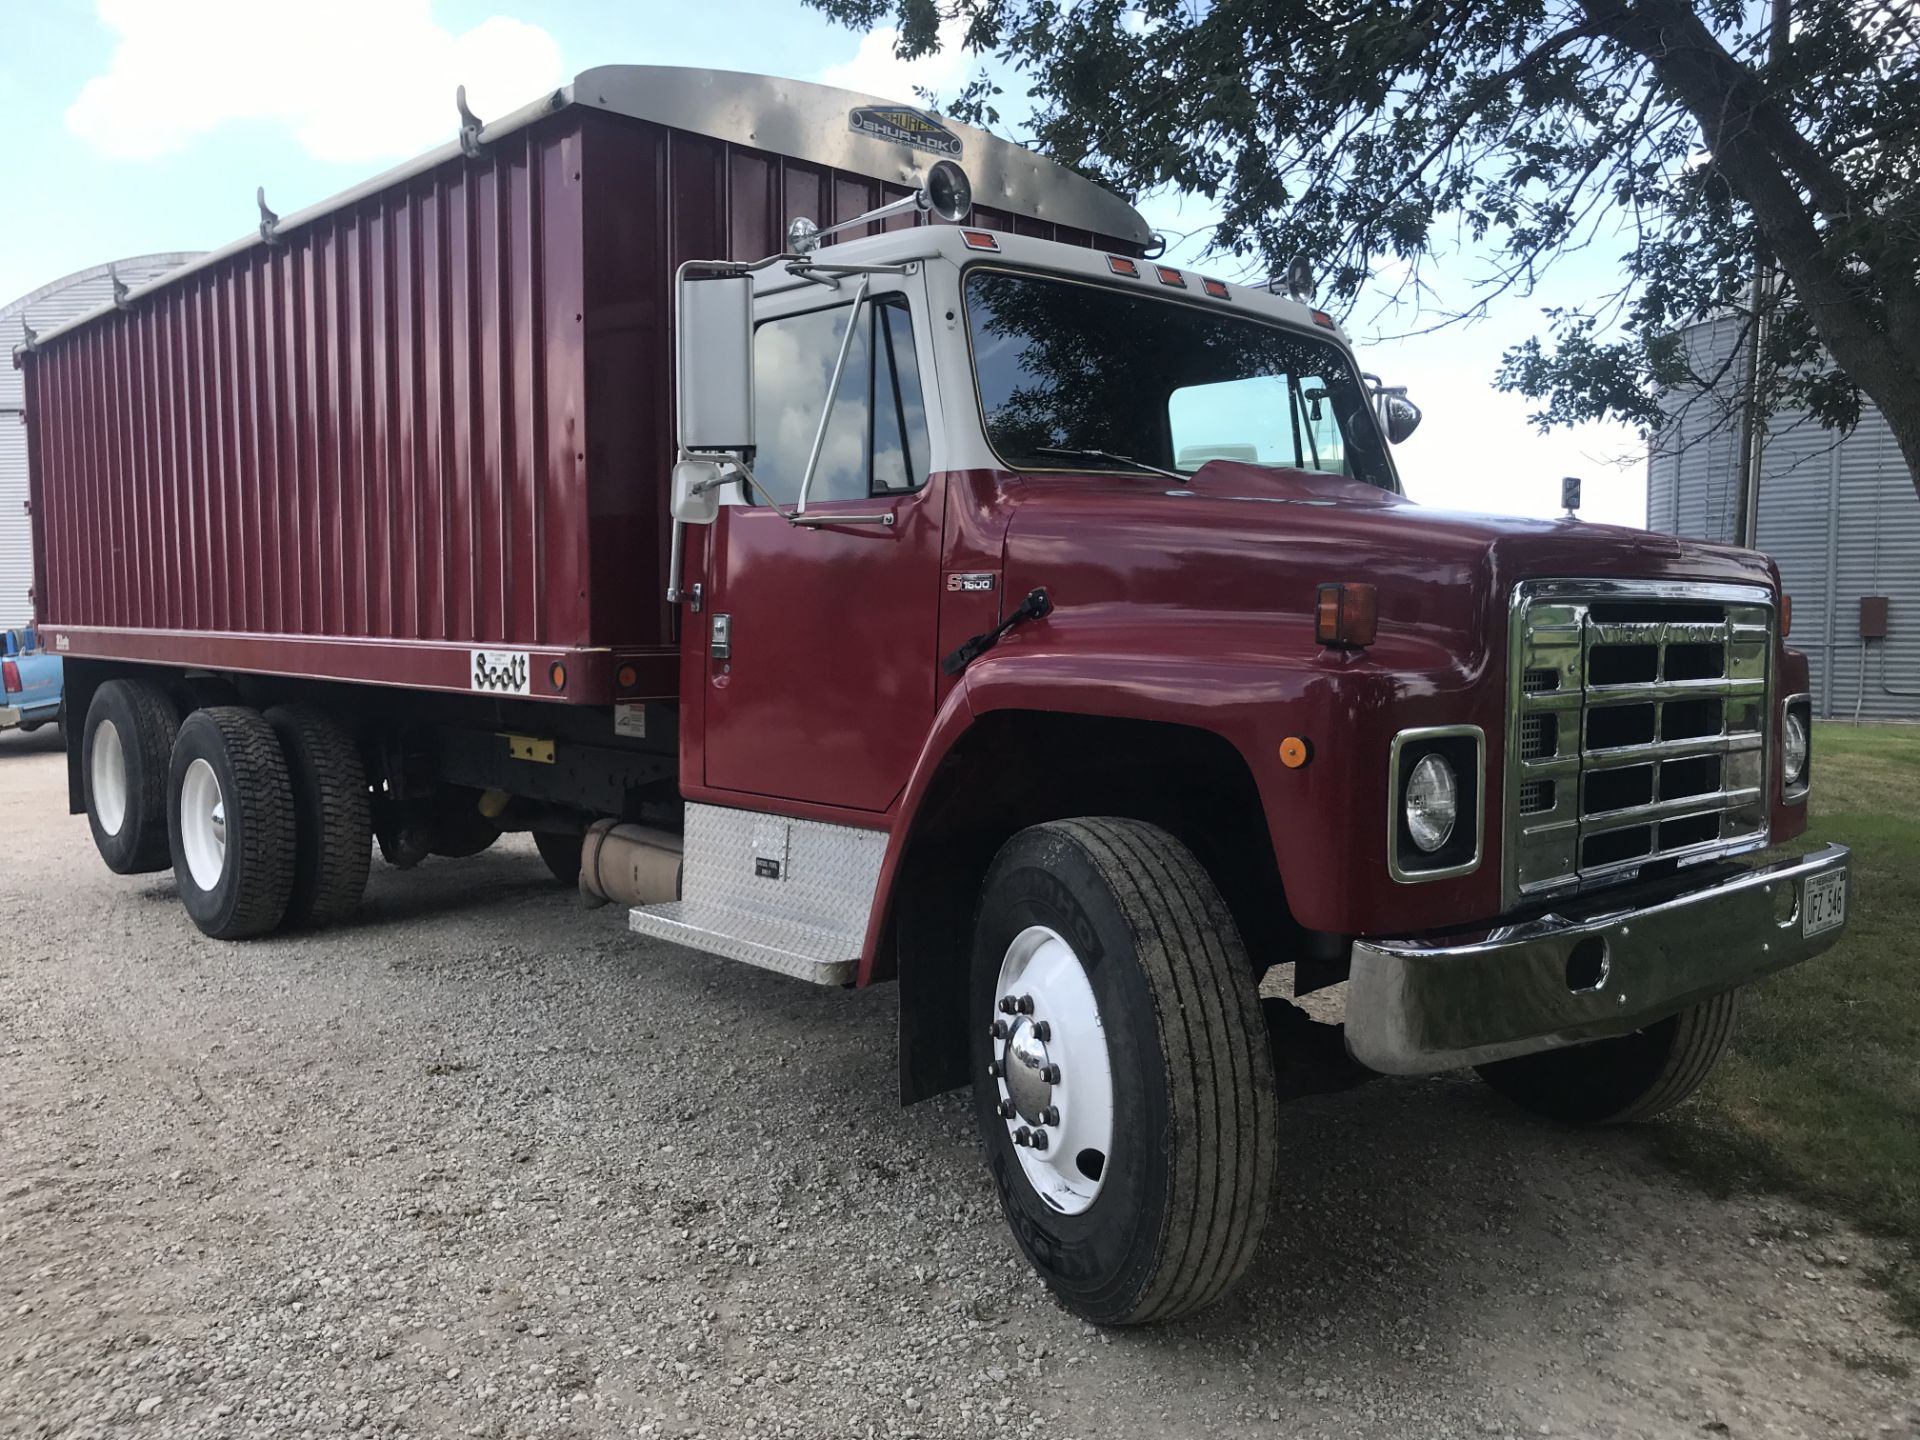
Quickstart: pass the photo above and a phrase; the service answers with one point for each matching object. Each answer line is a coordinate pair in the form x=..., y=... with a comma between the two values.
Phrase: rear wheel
x=125, y=747
x=1632, y=1077
x=332, y=813
x=562, y=854
x=1122, y=1078
x=231, y=822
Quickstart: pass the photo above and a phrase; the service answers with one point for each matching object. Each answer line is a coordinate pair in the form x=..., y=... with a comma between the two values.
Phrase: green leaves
x=1360, y=132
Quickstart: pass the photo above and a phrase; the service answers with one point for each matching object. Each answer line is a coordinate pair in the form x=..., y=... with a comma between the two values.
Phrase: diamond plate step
x=792, y=896
x=726, y=932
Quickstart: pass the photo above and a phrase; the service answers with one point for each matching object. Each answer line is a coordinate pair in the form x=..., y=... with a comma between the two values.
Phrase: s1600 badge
x=501, y=672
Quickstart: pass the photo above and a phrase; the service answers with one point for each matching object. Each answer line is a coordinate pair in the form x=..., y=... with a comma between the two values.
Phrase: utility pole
x=1753, y=431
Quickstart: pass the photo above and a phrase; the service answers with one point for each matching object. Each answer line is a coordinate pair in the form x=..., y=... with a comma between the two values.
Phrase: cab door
x=821, y=636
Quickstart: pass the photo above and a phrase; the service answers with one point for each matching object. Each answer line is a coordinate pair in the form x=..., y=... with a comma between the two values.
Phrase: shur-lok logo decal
x=897, y=125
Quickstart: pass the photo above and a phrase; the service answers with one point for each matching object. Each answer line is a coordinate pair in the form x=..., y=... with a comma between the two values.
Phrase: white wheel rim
x=109, y=778
x=1052, y=1071
x=203, y=824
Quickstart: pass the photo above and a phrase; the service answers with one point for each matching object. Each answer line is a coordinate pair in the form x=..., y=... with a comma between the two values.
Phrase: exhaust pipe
x=629, y=864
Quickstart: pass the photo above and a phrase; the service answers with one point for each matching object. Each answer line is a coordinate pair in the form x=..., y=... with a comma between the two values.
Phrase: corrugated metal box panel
x=338, y=435
x=42, y=309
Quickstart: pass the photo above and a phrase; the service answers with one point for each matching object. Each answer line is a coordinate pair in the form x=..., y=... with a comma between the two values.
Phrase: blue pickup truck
x=30, y=682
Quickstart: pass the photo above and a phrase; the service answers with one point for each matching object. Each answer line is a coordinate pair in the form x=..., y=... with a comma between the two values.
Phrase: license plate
x=1825, y=905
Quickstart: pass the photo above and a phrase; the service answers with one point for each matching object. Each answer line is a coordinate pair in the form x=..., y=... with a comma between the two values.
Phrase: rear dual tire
x=126, y=746
x=332, y=816
x=231, y=824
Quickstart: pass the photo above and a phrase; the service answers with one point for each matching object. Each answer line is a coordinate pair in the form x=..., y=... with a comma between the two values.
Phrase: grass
x=1821, y=1096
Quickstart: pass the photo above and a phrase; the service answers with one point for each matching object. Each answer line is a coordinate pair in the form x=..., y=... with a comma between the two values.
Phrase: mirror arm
x=833, y=389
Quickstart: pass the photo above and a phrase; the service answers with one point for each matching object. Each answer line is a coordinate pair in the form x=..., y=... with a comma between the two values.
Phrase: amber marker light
x=1346, y=616
x=557, y=675
x=1320, y=317
x=1170, y=276
x=1121, y=265
x=1295, y=752
x=1786, y=614
x=1216, y=288
x=979, y=240
x=626, y=677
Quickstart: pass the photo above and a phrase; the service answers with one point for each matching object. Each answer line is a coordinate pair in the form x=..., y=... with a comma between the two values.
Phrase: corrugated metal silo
x=1838, y=513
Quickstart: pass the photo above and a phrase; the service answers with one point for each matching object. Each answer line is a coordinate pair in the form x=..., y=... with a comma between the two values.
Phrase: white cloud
x=354, y=80
x=876, y=70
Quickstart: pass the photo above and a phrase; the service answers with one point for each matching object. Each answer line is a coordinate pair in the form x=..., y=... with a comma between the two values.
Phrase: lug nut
x=1007, y=1109
x=1007, y=1005
x=1039, y=1140
x=999, y=1029
x=1023, y=1136
x=1042, y=1030
x=1050, y=1074
x=993, y=1069
x=1025, y=1004
x=1049, y=1114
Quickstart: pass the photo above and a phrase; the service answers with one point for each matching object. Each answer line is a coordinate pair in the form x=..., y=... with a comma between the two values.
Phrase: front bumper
x=1415, y=1008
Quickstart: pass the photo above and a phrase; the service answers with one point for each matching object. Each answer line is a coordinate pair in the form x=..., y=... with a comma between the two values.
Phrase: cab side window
x=876, y=440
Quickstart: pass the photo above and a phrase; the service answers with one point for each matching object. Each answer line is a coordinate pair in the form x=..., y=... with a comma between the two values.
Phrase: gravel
x=484, y=1164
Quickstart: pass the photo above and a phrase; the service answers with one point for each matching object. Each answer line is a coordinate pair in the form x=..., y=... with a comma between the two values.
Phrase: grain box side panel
x=362, y=441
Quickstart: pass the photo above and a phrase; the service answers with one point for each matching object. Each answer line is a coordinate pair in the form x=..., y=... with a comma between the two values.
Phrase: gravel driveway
x=485, y=1164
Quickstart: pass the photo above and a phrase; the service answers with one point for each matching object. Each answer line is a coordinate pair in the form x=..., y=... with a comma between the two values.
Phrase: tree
x=1711, y=140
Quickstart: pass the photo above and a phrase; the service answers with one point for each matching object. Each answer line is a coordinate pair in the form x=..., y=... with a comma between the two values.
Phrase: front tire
x=230, y=822
x=125, y=747
x=1631, y=1077
x=1142, y=1002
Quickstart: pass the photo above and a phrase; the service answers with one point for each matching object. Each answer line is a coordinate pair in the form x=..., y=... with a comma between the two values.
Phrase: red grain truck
x=982, y=606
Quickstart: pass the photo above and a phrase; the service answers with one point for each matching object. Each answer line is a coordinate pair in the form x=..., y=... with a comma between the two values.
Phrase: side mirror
x=696, y=491
x=713, y=365
x=1399, y=416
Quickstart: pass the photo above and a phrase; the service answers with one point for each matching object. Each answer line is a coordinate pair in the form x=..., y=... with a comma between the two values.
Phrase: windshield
x=1065, y=366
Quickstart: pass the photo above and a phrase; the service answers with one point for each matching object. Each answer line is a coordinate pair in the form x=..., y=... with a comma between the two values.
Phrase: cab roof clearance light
x=1216, y=288
x=1170, y=276
x=1320, y=317
x=979, y=240
x=1121, y=265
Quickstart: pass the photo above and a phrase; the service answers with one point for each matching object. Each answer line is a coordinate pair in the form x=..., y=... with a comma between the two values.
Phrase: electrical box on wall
x=1873, y=617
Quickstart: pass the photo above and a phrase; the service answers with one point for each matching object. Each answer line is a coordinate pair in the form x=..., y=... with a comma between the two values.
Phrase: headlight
x=1794, y=748
x=1433, y=803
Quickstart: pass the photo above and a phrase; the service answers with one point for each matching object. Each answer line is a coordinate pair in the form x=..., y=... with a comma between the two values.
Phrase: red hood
x=1244, y=538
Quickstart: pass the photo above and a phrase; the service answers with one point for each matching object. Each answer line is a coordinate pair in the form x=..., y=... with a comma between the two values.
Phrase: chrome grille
x=1639, y=715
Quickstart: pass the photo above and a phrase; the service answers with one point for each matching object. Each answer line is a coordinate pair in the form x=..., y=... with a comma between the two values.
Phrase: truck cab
x=1008, y=561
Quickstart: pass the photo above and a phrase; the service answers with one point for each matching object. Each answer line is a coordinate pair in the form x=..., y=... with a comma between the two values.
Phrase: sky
x=138, y=126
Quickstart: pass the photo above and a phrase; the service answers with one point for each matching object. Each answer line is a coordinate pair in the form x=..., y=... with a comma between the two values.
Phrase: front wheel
x=1122, y=1078
x=1631, y=1077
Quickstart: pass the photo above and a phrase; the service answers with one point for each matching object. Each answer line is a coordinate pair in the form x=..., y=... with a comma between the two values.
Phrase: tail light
x=10, y=674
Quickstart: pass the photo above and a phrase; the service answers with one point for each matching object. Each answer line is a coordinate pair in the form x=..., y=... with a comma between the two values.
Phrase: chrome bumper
x=9, y=717
x=1414, y=1008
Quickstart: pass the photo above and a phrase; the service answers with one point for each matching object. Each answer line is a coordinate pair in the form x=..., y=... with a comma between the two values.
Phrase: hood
x=1245, y=538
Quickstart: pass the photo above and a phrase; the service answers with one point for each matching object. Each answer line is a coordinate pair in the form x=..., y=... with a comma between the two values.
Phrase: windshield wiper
x=1108, y=455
